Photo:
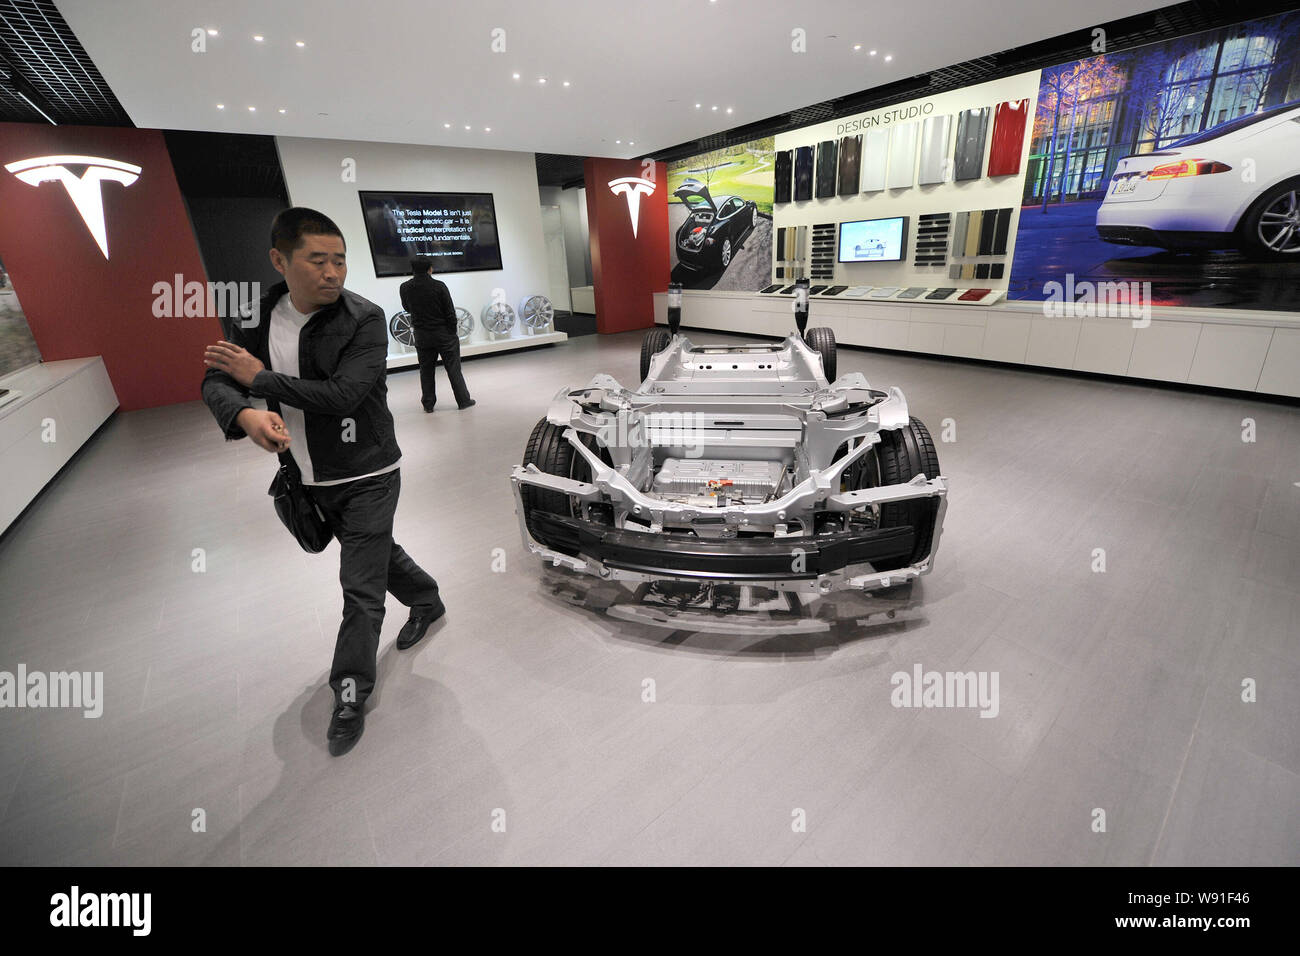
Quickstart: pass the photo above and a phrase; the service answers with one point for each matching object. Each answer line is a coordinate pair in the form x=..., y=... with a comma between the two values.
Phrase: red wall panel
x=77, y=302
x=626, y=269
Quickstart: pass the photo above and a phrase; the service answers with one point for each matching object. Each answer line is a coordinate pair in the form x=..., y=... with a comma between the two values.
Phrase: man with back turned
x=433, y=319
x=317, y=354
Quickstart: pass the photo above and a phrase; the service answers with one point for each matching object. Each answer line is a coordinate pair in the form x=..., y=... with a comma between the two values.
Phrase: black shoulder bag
x=297, y=511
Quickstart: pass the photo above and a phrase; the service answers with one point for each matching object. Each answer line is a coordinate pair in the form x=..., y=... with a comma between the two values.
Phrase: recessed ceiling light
x=515, y=75
x=873, y=52
x=446, y=126
x=889, y=57
x=281, y=111
x=713, y=107
x=487, y=129
x=857, y=46
x=730, y=110
x=467, y=127
x=299, y=43
x=252, y=109
x=566, y=82
x=258, y=37
x=221, y=106
x=211, y=32
x=631, y=142
x=697, y=106
x=541, y=79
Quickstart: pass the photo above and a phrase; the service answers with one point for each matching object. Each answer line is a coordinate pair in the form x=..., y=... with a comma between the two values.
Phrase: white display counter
x=66, y=401
x=484, y=347
x=1237, y=349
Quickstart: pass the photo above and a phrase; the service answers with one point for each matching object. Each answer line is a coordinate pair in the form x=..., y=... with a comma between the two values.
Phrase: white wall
x=313, y=175
x=954, y=197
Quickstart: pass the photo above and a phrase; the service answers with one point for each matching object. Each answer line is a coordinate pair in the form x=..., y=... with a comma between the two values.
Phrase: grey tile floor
x=518, y=733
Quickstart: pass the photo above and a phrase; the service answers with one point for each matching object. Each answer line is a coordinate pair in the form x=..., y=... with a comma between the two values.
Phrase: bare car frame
x=739, y=464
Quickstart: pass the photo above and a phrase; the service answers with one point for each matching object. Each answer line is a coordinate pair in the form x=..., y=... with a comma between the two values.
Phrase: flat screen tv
x=873, y=240
x=458, y=231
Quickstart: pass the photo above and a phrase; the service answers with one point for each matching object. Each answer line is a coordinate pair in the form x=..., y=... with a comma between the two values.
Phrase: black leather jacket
x=341, y=388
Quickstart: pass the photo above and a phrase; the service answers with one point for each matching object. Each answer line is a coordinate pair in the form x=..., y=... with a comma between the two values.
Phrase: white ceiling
x=397, y=70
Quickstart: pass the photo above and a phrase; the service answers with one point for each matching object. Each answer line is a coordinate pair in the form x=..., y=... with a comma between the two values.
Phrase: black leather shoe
x=428, y=408
x=467, y=404
x=346, y=725
x=417, y=625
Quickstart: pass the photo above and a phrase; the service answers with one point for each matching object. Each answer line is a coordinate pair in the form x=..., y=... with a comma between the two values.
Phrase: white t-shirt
x=282, y=342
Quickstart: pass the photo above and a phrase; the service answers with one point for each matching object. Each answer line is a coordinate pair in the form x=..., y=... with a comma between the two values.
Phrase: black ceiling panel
x=40, y=57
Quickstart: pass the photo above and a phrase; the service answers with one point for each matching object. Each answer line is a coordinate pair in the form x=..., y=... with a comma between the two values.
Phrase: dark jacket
x=342, y=362
x=433, y=315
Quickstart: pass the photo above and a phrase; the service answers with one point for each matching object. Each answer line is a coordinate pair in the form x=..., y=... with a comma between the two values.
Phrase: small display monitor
x=873, y=240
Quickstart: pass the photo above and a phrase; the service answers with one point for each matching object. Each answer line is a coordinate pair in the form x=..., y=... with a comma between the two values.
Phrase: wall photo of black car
x=714, y=228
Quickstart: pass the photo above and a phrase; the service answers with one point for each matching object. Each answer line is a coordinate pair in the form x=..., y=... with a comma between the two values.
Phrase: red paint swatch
x=1008, y=137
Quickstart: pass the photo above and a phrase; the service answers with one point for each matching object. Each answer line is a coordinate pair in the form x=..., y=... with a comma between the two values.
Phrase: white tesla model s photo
x=1233, y=186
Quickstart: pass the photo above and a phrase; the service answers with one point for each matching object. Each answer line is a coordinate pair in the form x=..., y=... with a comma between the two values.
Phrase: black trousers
x=428, y=350
x=370, y=563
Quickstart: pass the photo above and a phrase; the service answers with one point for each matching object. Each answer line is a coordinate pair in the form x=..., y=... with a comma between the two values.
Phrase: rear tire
x=822, y=340
x=1255, y=232
x=655, y=341
x=900, y=456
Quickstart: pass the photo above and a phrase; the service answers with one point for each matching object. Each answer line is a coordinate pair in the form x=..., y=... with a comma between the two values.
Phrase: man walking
x=433, y=318
x=317, y=355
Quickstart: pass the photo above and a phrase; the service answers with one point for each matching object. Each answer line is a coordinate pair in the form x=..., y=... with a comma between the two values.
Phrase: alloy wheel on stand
x=464, y=323
x=536, y=314
x=498, y=318
x=401, y=329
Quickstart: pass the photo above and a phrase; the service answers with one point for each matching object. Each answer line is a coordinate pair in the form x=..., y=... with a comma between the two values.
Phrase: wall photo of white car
x=1233, y=186
x=750, y=464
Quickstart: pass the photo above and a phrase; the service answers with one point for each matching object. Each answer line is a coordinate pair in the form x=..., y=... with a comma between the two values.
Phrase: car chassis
x=763, y=420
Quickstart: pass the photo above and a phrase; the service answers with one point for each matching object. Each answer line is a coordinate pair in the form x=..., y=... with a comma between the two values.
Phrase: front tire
x=900, y=456
x=548, y=450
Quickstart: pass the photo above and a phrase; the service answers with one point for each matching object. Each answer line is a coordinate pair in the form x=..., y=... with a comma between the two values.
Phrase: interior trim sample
x=912, y=292
x=1008, y=137
x=827, y=151
x=972, y=129
x=975, y=223
x=933, y=167
x=932, y=239
x=850, y=155
x=784, y=176
x=959, y=234
x=973, y=295
x=941, y=293
x=902, y=156
x=875, y=160
x=988, y=225
x=1001, y=231
x=803, y=173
